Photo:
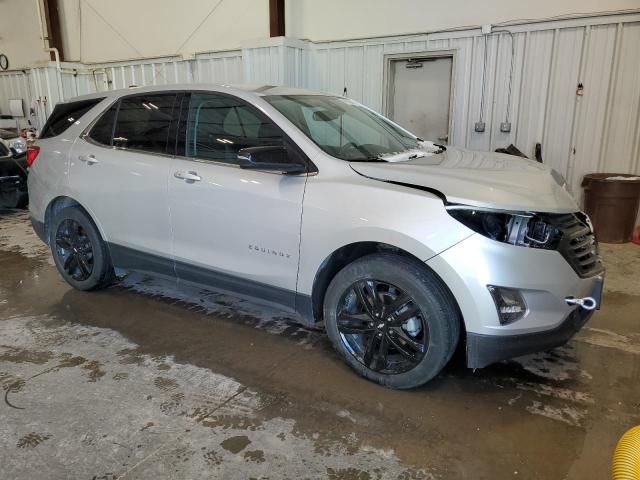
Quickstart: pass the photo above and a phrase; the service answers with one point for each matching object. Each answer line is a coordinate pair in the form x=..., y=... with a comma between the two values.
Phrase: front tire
x=392, y=320
x=80, y=254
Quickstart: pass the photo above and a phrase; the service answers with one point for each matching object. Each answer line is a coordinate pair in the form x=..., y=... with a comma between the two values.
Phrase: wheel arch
x=58, y=204
x=347, y=254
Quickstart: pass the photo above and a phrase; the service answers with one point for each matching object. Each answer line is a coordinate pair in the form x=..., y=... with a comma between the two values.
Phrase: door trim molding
x=132, y=259
x=387, y=82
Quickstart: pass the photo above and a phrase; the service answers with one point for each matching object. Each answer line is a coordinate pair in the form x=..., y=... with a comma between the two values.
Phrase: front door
x=420, y=96
x=235, y=229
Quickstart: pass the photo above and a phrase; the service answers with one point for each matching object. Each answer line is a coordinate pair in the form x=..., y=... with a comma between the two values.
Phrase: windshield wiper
x=402, y=156
x=431, y=147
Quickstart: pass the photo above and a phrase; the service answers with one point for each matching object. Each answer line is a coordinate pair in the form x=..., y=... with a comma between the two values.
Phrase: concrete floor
x=144, y=380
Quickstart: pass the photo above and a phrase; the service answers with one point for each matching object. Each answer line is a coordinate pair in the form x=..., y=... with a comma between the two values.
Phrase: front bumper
x=483, y=350
x=544, y=279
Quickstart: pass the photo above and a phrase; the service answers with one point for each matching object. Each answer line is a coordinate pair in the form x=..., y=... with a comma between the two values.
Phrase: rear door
x=234, y=229
x=118, y=171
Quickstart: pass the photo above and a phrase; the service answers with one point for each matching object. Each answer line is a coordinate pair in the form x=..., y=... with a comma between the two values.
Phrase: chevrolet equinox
x=402, y=248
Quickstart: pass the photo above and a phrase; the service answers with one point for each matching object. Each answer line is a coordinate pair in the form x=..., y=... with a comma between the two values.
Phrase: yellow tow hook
x=626, y=458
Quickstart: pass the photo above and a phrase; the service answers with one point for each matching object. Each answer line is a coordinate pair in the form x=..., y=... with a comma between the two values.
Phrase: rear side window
x=218, y=126
x=65, y=114
x=143, y=122
x=102, y=131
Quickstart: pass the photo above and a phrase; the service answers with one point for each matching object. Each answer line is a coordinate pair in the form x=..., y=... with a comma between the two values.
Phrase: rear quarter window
x=65, y=114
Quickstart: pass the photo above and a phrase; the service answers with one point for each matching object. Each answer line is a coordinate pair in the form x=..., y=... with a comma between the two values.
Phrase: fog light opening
x=509, y=302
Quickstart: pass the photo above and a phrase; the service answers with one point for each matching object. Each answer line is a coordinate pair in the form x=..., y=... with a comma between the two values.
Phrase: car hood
x=481, y=179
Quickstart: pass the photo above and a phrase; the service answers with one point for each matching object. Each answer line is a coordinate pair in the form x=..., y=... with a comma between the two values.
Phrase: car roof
x=241, y=89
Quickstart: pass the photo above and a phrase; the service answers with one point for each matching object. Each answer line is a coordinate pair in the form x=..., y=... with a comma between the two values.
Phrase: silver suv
x=404, y=249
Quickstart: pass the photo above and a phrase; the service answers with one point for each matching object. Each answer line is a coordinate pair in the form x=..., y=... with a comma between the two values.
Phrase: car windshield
x=344, y=128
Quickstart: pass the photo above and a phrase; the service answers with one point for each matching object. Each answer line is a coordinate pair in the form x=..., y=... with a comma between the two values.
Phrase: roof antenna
x=344, y=92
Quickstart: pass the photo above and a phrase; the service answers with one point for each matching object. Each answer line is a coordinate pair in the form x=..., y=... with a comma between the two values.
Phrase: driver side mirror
x=271, y=159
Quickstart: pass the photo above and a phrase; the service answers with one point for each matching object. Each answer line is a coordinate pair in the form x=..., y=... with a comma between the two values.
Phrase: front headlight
x=517, y=228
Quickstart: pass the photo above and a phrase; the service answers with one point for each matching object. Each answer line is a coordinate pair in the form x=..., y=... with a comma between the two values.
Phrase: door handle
x=189, y=176
x=90, y=159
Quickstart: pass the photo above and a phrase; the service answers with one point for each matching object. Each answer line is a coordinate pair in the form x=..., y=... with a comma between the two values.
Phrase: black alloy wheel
x=382, y=327
x=73, y=248
x=391, y=319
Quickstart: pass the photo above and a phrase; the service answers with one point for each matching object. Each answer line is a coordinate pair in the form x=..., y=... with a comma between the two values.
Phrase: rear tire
x=80, y=254
x=398, y=308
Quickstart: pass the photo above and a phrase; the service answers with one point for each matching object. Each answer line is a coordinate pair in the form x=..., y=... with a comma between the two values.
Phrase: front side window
x=218, y=126
x=143, y=122
x=342, y=127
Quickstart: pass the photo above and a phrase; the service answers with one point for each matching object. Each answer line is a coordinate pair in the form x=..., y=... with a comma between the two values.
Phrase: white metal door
x=420, y=96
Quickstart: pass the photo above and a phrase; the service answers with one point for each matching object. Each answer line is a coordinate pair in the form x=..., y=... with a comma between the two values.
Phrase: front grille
x=577, y=243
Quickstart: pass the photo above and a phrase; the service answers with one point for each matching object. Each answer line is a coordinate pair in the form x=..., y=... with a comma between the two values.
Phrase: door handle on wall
x=189, y=176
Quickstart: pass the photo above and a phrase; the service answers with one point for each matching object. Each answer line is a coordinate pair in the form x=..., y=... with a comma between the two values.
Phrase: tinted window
x=65, y=114
x=102, y=130
x=218, y=126
x=144, y=121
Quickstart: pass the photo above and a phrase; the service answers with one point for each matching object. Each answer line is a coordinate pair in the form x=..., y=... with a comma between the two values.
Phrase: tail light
x=32, y=154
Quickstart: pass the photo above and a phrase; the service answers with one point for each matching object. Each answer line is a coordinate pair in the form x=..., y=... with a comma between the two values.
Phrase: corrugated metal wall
x=599, y=131
x=46, y=86
x=211, y=68
x=13, y=85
